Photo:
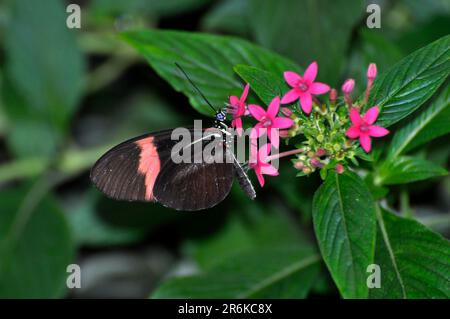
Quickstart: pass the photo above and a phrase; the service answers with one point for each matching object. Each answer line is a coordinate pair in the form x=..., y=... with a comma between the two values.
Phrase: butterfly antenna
x=196, y=88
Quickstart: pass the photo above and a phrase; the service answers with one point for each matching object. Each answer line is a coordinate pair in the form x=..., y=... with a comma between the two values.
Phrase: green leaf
x=410, y=82
x=46, y=69
x=239, y=236
x=307, y=31
x=261, y=273
x=90, y=230
x=406, y=169
x=431, y=123
x=208, y=59
x=345, y=227
x=266, y=85
x=35, y=247
x=414, y=261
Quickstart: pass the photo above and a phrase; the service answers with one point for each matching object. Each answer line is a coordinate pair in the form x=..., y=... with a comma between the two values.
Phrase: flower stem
x=369, y=87
x=287, y=153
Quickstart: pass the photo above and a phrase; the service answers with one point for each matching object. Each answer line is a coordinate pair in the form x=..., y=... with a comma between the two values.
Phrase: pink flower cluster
x=268, y=123
x=304, y=89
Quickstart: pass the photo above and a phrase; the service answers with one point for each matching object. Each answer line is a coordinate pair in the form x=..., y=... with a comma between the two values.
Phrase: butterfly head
x=220, y=116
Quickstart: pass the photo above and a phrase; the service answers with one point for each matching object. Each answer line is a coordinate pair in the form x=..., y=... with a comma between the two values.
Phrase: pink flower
x=258, y=162
x=362, y=127
x=268, y=121
x=237, y=109
x=304, y=87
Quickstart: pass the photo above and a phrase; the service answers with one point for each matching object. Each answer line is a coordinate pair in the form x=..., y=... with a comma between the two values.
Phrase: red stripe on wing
x=149, y=164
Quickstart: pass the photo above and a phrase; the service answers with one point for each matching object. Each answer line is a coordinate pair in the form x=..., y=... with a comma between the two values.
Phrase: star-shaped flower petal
x=258, y=162
x=363, y=128
x=303, y=88
x=237, y=108
x=268, y=121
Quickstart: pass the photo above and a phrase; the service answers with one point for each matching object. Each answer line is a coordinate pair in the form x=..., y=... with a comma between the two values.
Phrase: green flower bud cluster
x=322, y=139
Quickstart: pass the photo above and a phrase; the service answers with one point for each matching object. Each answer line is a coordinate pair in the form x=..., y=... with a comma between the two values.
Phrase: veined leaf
x=410, y=82
x=345, y=227
x=208, y=59
x=261, y=273
x=406, y=169
x=414, y=261
x=433, y=122
x=265, y=84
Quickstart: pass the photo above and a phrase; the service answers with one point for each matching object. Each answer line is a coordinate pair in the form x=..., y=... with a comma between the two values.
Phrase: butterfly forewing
x=126, y=171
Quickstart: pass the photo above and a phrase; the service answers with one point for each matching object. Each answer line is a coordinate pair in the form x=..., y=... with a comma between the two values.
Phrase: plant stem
x=405, y=208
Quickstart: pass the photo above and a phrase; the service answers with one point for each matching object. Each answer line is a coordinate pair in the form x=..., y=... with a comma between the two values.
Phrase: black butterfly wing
x=141, y=169
x=195, y=186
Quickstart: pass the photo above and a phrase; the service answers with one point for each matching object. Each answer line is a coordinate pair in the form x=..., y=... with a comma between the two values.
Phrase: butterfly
x=143, y=169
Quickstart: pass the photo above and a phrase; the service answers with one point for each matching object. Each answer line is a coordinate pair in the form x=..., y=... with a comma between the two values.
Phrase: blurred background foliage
x=67, y=95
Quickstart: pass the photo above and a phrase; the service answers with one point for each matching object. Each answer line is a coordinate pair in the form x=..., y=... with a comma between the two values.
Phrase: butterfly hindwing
x=194, y=186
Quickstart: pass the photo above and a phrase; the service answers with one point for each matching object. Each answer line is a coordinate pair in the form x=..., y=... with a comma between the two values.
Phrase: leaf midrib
x=390, y=250
x=338, y=187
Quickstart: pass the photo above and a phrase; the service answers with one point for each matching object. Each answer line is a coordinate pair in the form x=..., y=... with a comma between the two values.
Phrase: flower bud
x=299, y=165
x=316, y=163
x=286, y=112
x=372, y=71
x=321, y=152
x=333, y=96
x=310, y=154
x=306, y=170
x=320, y=138
x=283, y=133
x=339, y=169
x=348, y=86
